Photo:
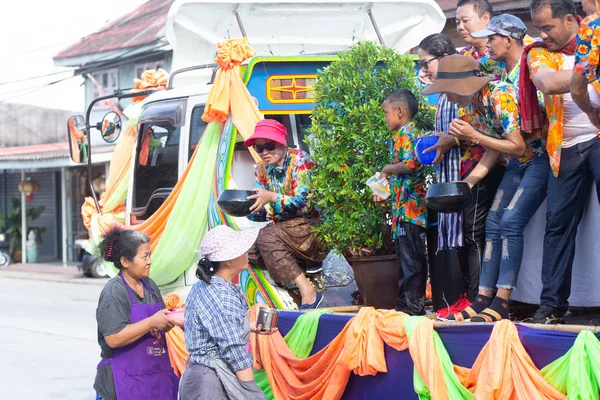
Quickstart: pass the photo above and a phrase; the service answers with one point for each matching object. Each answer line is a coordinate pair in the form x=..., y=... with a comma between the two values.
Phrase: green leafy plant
x=349, y=143
x=13, y=231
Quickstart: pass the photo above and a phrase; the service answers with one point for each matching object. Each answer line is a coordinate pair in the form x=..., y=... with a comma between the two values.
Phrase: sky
x=33, y=32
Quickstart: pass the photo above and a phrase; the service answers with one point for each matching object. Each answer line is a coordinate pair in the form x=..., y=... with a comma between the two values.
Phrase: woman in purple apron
x=131, y=318
x=217, y=331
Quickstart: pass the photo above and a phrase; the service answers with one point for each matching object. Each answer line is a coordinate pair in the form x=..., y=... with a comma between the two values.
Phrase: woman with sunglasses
x=287, y=248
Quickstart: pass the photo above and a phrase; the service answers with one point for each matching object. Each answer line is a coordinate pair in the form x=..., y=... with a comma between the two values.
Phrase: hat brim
x=241, y=242
x=484, y=33
x=250, y=141
x=461, y=87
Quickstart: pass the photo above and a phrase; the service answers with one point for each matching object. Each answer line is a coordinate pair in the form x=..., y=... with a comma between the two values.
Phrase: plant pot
x=377, y=280
x=17, y=255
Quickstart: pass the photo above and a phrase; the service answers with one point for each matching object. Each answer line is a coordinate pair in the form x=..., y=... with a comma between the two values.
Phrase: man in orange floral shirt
x=573, y=146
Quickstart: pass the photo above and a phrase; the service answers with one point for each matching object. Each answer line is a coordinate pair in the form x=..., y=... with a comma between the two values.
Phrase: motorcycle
x=4, y=254
x=88, y=264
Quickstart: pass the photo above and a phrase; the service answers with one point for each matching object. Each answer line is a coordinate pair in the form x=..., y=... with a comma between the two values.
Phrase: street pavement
x=48, y=333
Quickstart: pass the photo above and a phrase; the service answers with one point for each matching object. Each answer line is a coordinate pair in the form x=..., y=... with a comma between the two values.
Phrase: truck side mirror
x=111, y=127
x=78, y=146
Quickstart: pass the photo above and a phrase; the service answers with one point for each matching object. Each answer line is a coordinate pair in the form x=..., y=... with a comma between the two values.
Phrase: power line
x=34, y=77
x=33, y=89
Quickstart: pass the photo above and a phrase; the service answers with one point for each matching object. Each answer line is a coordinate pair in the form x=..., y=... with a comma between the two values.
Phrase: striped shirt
x=215, y=321
x=449, y=224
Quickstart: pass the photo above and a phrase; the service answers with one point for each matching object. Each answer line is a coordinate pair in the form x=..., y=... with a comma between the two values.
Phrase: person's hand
x=158, y=339
x=160, y=321
x=377, y=198
x=464, y=131
x=258, y=330
x=471, y=180
x=262, y=197
x=443, y=145
x=386, y=172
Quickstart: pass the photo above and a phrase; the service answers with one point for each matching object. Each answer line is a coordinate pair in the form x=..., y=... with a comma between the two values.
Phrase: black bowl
x=448, y=197
x=235, y=202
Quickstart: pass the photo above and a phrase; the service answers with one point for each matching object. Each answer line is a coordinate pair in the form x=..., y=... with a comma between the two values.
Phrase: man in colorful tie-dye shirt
x=409, y=213
x=288, y=247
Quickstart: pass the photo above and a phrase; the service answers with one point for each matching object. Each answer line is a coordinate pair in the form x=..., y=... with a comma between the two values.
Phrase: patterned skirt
x=287, y=248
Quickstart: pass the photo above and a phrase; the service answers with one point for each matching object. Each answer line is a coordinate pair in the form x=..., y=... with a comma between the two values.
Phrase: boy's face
x=393, y=115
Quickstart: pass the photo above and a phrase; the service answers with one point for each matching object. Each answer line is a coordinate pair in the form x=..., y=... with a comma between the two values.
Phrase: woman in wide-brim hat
x=488, y=122
x=487, y=129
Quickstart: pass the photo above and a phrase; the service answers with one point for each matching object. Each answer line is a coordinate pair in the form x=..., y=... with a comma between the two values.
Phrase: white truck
x=293, y=40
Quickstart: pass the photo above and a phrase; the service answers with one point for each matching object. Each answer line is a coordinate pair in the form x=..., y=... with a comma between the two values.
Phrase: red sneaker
x=457, y=307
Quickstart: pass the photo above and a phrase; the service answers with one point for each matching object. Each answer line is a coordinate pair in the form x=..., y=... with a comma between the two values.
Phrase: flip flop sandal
x=463, y=316
x=487, y=315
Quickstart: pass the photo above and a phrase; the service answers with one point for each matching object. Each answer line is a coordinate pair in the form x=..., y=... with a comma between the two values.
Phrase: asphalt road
x=47, y=339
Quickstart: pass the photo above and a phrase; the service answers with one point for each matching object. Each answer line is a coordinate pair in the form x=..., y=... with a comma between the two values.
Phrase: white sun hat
x=223, y=243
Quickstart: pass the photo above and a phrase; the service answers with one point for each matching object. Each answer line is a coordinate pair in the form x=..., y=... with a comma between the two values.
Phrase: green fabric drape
x=577, y=373
x=456, y=391
x=300, y=339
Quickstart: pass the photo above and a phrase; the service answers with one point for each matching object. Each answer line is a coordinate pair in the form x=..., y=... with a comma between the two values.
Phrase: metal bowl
x=267, y=318
x=235, y=202
x=448, y=197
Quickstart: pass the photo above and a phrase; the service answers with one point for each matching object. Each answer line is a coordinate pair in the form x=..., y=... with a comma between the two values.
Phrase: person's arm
x=133, y=332
x=397, y=169
x=483, y=167
x=544, y=76
x=585, y=67
x=551, y=82
x=262, y=195
x=113, y=319
x=513, y=145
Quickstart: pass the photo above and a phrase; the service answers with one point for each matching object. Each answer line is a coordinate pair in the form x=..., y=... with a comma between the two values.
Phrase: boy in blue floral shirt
x=409, y=213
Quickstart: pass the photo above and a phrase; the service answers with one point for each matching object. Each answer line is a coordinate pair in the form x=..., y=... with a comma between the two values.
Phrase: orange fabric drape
x=229, y=95
x=504, y=371
x=358, y=347
x=175, y=339
x=422, y=351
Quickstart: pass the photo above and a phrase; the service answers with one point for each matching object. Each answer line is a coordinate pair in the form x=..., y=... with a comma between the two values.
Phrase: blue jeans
x=567, y=197
x=521, y=192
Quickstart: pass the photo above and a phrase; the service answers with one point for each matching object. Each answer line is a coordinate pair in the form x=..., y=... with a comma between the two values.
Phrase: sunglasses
x=425, y=63
x=269, y=146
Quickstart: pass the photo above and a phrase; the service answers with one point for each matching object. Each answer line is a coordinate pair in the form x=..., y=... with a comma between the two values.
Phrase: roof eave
x=98, y=60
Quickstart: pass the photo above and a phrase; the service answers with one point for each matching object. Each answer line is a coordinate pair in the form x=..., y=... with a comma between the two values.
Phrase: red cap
x=268, y=129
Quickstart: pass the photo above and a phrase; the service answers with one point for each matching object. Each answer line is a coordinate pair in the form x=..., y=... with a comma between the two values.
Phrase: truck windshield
x=157, y=156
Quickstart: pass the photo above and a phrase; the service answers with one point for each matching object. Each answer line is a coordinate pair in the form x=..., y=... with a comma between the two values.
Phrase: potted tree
x=13, y=230
x=349, y=143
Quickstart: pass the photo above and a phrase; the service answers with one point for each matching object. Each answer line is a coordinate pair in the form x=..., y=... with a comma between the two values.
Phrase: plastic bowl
x=423, y=144
x=235, y=202
x=175, y=317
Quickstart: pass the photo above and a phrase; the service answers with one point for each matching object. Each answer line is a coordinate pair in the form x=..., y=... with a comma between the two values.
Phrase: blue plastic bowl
x=423, y=144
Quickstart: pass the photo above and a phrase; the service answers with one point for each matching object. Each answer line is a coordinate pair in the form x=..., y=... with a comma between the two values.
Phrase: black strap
x=460, y=74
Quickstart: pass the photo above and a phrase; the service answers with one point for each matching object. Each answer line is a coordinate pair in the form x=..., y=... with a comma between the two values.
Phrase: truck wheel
x=97, y=270
x=4, y=259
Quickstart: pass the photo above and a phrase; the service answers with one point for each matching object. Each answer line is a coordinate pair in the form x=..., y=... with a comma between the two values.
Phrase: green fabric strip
x=300, y=339
x=577, y=373
x=455, y=390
